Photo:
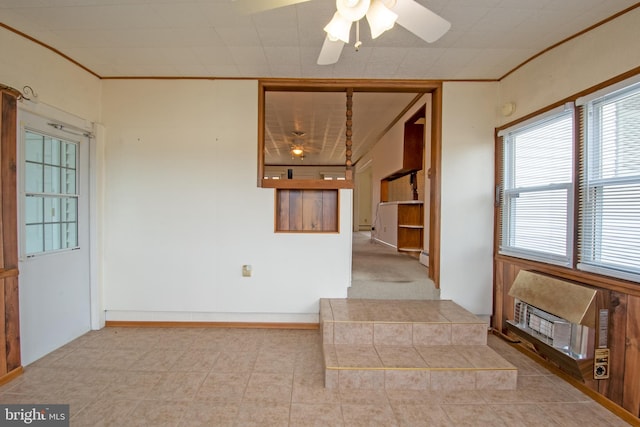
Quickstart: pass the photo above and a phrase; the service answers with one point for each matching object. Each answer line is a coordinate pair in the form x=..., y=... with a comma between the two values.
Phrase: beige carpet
x=380, y=271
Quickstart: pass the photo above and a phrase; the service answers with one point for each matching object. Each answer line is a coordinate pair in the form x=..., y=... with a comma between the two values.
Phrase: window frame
x=507, y=191
x=60, y=196
x=591, y=190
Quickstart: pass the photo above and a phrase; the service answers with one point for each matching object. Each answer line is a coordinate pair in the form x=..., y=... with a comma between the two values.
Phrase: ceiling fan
x=380, y=14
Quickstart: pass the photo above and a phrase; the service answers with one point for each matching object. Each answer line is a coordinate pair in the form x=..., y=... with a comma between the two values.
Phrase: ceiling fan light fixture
x=297, y=150
x=353, y=10
x=338, y=28
x=380, y=18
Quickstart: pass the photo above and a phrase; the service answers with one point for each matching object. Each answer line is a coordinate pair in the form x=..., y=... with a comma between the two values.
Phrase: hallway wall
x=466, y=234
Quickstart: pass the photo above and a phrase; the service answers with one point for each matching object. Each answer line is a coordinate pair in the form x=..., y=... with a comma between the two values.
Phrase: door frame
x=77, y=124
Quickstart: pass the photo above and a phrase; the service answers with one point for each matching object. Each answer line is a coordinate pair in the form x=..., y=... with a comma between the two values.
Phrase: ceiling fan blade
x=420, y=20
x=255, y=6
x=330, y=52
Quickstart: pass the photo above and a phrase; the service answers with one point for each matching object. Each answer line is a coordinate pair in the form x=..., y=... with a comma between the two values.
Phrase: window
x=536, y=201
x=536, y=197
x=610, y=185
x=51, y=194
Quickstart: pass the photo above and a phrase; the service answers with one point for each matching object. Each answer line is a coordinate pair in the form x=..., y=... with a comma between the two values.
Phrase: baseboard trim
x=597, y=397
x=235, y=325
x=11, y=375
x=382, y=242
x=208, y=317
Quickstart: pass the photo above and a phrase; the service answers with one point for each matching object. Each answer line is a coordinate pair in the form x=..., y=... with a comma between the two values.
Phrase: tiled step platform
x=408, y=344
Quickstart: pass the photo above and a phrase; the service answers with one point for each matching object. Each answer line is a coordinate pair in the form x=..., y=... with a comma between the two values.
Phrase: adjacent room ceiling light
x=297, y=149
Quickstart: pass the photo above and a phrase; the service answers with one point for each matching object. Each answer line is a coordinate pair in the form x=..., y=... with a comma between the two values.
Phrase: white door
x=53, y=186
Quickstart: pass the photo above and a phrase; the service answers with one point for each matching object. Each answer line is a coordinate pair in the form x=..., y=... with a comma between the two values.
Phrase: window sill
x=587, y=278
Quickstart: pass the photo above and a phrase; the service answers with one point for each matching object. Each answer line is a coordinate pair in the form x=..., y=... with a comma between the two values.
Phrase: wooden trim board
x=235, y=325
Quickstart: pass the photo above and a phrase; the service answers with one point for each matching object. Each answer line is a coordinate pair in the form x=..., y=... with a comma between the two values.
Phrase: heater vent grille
x=559, y=333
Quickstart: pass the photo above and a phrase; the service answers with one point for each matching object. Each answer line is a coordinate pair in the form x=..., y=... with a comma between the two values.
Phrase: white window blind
x=609, y=240
x=537, y=189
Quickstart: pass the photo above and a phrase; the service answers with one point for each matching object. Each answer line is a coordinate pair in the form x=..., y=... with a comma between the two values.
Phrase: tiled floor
x=245, y=377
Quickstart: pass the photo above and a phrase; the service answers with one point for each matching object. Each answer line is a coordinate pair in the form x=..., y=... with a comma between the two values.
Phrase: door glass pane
x=51, y=199
x=70, y=235
x=33, y=148
x=33, y=210
x=69, y=155
x=69, y=209
x=51, y=179
x=33, y=178
x=69, y=177
x=51, y=151
x=34, y=239
x=51, y=237
x=51, y=209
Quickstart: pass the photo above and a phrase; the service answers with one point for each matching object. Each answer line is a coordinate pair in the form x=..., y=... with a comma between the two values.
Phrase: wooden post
x=9, y=323
x=349, y=132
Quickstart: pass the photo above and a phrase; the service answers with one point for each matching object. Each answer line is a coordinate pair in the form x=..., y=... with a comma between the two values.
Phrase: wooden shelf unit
x=411, y=226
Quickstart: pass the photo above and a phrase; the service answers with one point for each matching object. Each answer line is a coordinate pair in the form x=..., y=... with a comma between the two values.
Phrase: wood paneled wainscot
x=307, y=211
x=619, y=299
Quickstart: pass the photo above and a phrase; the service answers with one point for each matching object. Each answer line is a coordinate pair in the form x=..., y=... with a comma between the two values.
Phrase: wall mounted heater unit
x=572, y=339
x=557, y=313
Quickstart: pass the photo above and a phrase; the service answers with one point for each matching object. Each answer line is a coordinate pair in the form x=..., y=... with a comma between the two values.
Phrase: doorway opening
x=274, y=137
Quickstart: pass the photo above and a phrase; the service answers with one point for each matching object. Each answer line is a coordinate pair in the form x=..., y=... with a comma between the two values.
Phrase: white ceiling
x=211, y=38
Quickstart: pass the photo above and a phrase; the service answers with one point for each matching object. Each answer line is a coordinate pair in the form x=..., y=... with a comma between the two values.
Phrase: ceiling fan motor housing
x=353, y=10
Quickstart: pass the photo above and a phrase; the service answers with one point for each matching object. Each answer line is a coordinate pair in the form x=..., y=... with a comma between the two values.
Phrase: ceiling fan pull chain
x=358, y=42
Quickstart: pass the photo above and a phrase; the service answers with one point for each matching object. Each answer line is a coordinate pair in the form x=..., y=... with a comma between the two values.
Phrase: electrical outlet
x=246, y=270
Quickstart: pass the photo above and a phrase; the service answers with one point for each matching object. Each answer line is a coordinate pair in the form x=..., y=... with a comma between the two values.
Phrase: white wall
x=579, y=64
x=57, y=81
x=362, y=195
x=467, y=177
x=183, y=212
